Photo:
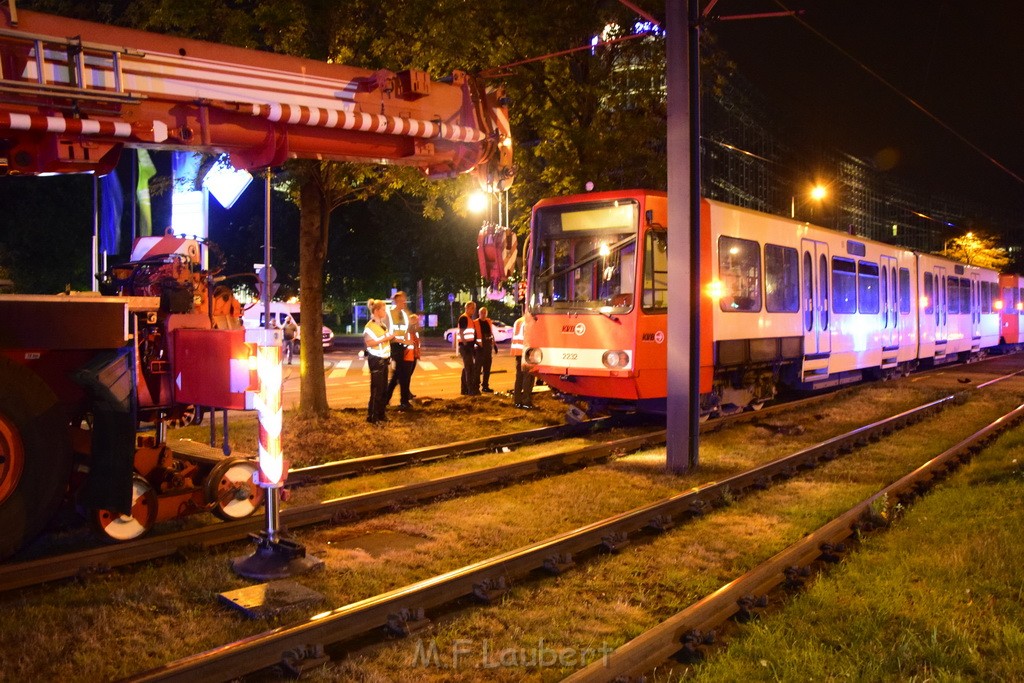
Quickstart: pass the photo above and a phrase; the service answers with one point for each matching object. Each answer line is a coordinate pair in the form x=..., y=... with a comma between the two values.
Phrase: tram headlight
x=533, y=356
x=615, y=360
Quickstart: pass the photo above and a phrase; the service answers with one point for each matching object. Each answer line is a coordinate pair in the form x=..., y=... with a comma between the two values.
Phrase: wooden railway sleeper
x=298, y=661
x=490, y=590
x=559, y=564
x=407, y=621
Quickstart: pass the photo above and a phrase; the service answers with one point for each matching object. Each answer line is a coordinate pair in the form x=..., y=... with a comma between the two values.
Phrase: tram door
x=814, y=285
x=940, y=306
x=975, y=306
x=889, y=305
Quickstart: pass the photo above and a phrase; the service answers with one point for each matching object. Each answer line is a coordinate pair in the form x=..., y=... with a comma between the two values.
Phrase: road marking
x=341, y=368
x=453, y=365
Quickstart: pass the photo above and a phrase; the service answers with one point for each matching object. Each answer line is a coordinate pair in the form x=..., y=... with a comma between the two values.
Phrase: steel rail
x=103, y=558
x=402, y=609
x=657, y=645
x=96, y=560
x=374, y=463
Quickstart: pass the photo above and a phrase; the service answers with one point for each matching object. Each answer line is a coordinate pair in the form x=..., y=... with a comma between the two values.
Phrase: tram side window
x=844, y=285
x=929, y=294
x=1018, y=295
x=867, y=286
x=905, y=291
x=953, y=294
x=781, y=279
x=739, y=269
x=655, y=293
x=986, y=297
x=965, y=295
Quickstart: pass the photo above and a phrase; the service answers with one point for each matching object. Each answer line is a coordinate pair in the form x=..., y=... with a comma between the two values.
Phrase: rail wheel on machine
x=118, y=527
x=232, y=489
x=35, y=455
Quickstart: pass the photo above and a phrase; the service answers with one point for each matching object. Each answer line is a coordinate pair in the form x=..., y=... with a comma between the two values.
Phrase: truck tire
x=35, y=447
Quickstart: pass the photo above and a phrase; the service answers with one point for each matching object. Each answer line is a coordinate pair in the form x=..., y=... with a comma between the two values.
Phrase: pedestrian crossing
x=350, y=367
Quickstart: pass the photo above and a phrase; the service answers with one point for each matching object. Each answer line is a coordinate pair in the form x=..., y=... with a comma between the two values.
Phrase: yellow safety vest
x=398, y=327
x=377, y=333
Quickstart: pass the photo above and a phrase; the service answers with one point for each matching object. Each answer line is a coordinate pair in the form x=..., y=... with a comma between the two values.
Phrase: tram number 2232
x=569, y=356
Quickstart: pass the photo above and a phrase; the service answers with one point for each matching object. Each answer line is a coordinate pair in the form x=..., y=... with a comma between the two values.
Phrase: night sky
x=961, y=61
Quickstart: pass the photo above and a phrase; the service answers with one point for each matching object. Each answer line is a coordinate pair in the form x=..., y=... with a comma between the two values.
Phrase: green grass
x=936, y=597
x=137, y=619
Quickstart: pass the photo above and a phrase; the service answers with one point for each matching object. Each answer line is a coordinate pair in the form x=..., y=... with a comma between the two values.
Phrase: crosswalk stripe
x=341, y=368
x=453, y=365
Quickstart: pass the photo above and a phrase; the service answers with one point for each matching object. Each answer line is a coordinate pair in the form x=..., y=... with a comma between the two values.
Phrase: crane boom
x=72, y=104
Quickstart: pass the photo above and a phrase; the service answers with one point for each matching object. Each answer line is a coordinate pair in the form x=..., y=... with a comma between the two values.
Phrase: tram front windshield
x=585, y=257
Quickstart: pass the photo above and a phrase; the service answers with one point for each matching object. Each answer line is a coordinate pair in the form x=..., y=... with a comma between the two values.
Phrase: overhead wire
x=914, y=103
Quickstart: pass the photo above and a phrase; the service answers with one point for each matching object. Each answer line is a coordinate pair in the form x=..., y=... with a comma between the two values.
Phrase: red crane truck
x=87, y=383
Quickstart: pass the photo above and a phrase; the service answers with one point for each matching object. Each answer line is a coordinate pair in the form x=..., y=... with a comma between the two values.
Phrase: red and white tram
x=1011, y=309
x=783, y=302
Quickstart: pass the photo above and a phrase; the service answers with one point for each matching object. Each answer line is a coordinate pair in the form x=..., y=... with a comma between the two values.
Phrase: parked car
x=502, y=332
x=253, y=317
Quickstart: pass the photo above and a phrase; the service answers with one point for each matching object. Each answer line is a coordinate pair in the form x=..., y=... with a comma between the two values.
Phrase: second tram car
x=783, y=303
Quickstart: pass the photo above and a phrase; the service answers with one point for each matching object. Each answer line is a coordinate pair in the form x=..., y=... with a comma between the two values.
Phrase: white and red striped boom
x=71, y=104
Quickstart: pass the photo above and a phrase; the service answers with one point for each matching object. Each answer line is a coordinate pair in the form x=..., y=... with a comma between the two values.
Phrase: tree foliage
x=977, y=249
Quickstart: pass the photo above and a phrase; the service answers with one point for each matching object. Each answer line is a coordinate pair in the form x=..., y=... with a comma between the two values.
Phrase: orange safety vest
x=412, y=346
x=470, y=333
x=518, y=337
x=379, y=348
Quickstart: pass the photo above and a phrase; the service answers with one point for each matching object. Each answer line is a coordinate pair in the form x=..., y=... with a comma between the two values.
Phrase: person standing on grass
x=486, y=349
x=522, y=395
x=398, y=325
x=412, y=346
x=377, y=339
x=467, y=340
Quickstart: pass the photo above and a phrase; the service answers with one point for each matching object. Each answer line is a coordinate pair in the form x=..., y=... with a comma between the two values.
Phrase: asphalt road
x=437, y=374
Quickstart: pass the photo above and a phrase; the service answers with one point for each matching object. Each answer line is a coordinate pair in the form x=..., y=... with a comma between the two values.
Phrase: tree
x=977, y=249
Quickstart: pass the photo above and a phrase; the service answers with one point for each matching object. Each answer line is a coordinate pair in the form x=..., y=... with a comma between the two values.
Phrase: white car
x=502, y=332
x=282, y=317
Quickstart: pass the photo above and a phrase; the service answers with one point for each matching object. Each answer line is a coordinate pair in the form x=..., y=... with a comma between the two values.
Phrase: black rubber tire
x=27, y=403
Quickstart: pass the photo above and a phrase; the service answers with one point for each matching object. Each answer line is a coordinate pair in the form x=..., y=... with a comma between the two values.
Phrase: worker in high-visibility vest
x=412, y=344
x=398, y=325
x=485, y=349
x=378, y=355
x=467, y=339
x=522, y=395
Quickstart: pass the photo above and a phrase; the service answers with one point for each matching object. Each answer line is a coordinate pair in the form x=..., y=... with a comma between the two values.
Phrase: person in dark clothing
x=378, y=356
x=467, y=340
x=486, y=349
x=522, y=396
x=398, y=325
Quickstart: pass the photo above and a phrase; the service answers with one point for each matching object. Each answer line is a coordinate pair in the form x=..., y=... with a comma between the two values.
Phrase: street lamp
x=478, y=202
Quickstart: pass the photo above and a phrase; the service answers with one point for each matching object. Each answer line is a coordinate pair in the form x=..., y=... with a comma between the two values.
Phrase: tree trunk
x=314, y=219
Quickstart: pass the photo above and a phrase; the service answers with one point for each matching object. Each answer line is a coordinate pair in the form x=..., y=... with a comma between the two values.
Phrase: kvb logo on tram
x=579, y=329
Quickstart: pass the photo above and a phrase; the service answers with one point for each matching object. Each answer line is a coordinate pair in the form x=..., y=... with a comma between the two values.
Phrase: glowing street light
x=819, y=192
x=478, y=202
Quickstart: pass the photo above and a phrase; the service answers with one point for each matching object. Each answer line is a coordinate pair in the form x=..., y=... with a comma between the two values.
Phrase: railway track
x=403, y=610
x=688, y=630
x=104, y=558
